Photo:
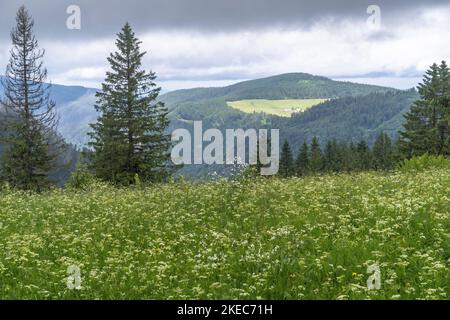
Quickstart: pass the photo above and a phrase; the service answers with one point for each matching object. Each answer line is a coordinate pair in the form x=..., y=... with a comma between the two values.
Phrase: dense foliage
x=350, y=119
x=427, y=126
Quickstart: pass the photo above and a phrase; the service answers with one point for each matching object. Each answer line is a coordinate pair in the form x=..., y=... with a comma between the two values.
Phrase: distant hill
x=75, y=107
x=285, y=86
x=352, y=111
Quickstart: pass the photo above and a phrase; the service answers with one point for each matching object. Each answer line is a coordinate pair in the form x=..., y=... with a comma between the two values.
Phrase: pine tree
x=363, y=156
x=316, y=157
x=383, y=153
x=352, y=157
x=286, y=161
x=129, y=137
x=426, y=129
x=31, y=143
x=332, y=157
x=302, y=161
x=443, y=123
x=347, y=157
x=414, y=140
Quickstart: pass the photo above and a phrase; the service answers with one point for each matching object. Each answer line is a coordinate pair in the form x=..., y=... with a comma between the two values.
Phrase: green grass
x=282, y=108
x=311, y=238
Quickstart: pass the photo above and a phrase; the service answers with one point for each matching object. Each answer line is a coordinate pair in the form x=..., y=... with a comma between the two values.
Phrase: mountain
x=285, y=86
x=365, y=109
x=75, y=107
x=351, y=111
x=75, y=104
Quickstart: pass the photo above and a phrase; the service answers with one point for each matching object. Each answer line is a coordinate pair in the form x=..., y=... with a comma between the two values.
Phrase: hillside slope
x=350, y=118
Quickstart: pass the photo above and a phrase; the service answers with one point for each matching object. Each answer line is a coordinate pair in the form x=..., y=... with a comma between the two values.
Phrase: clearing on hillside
x=283, y=108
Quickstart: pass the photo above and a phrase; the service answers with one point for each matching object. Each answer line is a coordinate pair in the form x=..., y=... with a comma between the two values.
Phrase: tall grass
x=311, y=238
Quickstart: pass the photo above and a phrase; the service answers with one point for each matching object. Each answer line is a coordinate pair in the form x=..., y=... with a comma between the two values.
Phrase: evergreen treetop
x=32, y=145
x=129, y=137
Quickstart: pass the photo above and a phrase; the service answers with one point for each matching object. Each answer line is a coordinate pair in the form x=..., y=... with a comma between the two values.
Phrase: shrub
x=81, y=178
x=424, y=162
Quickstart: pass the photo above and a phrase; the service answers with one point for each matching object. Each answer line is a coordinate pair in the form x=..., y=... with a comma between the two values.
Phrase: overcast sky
x=216, y=42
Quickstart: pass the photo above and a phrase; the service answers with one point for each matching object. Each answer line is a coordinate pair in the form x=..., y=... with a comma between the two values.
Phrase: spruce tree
x=363, y=156
x=332, y=157
x=302, y=161
x=129, y=137
x=286, y=161
x=426, y=129
x=347, y=157
x=383, y=153
x=31, y=143
x=316, y=157
x=443, y=123
x=353, y=156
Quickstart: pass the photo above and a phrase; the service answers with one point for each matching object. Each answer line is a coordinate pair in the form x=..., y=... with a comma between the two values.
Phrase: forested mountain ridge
x=350, y=118
x=74, y=105
x=289, y=85
x=354, y=111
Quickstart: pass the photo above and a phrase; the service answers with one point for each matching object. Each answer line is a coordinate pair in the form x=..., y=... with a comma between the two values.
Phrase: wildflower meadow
x=310, y=238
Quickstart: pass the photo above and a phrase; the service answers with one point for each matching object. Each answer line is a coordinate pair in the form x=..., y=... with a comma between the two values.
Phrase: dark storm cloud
x=104, y=17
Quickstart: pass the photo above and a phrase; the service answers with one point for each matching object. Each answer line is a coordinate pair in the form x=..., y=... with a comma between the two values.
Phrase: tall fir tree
x=383, y=153
x=316, y=157
x=302, y=161
x=426, y=129
x=32, y=145
x=129, y=138
x=286, y=161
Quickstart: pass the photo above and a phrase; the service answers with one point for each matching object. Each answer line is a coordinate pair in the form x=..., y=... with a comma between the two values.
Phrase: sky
x=202, y=43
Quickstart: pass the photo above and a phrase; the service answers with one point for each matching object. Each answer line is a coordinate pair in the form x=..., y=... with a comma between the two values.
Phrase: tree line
x=337, y=157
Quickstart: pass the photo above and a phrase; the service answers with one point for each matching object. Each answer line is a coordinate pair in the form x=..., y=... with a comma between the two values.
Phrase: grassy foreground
x=283, y=108
x=307, y=238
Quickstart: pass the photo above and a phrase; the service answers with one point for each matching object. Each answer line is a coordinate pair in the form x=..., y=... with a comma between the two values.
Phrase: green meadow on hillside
x=283, y=108
x=311, y=238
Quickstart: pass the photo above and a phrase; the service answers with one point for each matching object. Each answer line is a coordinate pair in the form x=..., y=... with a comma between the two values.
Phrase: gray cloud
x=196, y=42
x=103, y=18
